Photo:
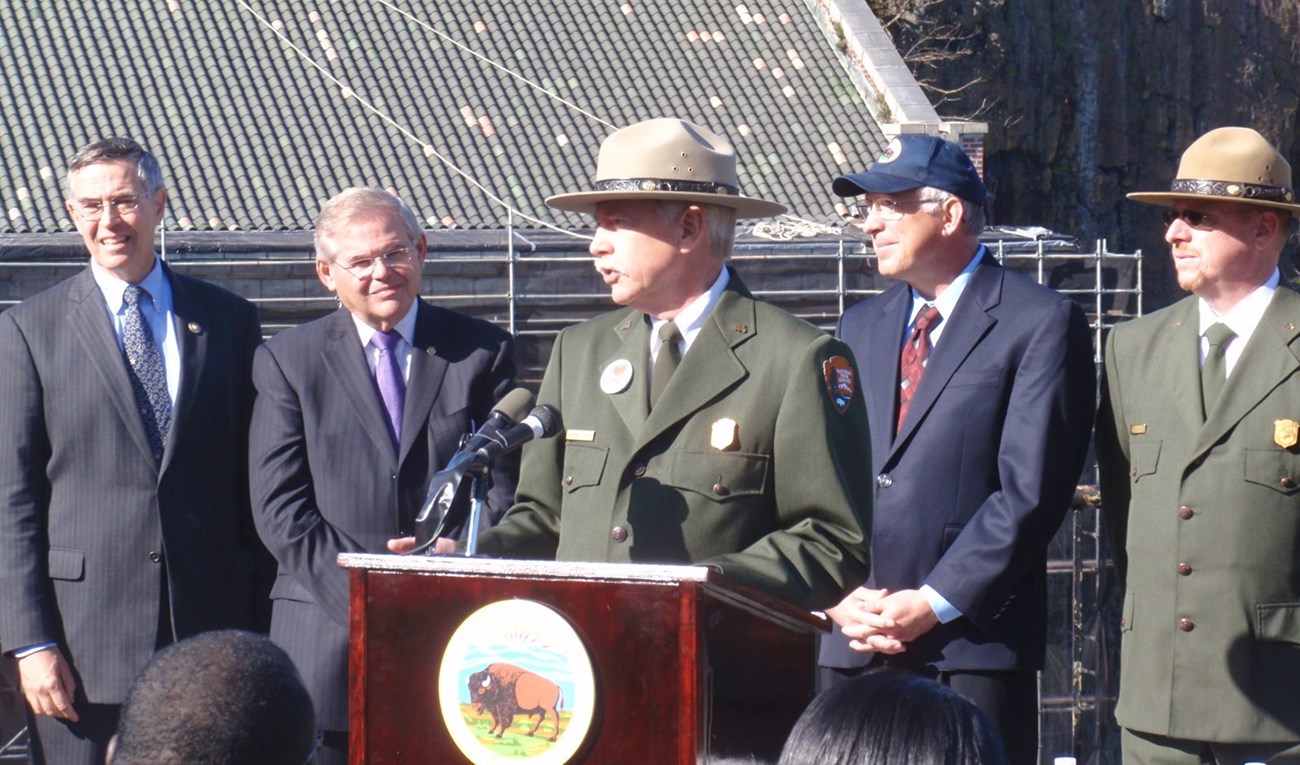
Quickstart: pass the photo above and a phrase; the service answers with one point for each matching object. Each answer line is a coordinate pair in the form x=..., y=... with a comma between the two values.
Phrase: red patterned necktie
x=911, y=364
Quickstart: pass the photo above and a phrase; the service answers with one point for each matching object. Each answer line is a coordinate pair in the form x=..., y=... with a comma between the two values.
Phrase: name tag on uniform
x=1137, y=430
x=579, y=435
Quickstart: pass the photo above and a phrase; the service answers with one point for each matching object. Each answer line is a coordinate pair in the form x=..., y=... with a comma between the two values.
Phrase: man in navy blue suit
x=979, y=387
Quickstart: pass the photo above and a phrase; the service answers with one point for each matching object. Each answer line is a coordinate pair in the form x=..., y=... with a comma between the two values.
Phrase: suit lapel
x=93, y=329
x=424, y=381
x=346, y=362
x=633, y=404
x=881, y=377
x=969, y=323
x=1177, y=350
x=710, y=367
x=1271, y=356
x=191, y=325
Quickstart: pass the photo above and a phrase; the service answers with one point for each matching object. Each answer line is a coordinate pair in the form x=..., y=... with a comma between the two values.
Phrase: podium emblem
x=516, y=685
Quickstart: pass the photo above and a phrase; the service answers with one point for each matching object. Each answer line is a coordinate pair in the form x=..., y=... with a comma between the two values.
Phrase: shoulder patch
x=840, y=381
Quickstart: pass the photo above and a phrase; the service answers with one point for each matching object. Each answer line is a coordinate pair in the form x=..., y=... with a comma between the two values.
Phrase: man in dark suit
x=703, y=425
x=979, y=386
x=124, y=407
x=1198, y=441
x=355, y=413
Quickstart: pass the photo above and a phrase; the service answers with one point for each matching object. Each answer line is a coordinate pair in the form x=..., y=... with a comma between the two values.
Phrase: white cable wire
x=429, y=151
x=492, y=63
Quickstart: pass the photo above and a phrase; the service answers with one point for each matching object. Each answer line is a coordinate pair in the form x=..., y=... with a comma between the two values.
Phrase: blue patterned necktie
x=388, y=377
x=145, y=368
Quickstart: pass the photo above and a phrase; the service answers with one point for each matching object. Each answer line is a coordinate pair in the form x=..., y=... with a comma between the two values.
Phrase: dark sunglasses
x=1194, y=218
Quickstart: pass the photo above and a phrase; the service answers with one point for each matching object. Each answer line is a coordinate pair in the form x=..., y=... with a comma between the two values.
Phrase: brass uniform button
x=619, y=534
x=720, y=490
x=1186, y=625
x=638, y=469
x=1184, y=569
x=568, y=480
x=1185, y=513
x=884, y=480
x=155, y=556
x=1288, y=482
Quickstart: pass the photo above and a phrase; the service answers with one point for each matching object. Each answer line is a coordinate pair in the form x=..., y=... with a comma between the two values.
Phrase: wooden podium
x=688, y=666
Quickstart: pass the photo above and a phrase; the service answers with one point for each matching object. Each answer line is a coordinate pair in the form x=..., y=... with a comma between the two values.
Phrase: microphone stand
x=480, y=482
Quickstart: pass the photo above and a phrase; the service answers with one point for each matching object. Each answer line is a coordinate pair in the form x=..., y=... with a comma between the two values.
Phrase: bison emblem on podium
x=504, y=690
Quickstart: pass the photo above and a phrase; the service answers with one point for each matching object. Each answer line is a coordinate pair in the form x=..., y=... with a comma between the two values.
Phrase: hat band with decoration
x=1231, y=190
x=660, y=184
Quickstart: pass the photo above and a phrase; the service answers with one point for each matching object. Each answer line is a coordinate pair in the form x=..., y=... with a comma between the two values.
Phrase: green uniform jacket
x=781, y=508
x=1208, y=512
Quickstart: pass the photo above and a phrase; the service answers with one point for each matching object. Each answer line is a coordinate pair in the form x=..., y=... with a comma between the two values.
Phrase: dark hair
x=118, y=150
x=219, y=698
x=892, y=717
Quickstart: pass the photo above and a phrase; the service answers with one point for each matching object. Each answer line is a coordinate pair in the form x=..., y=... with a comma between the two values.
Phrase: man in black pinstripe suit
x=342, y=448
x=120, y=534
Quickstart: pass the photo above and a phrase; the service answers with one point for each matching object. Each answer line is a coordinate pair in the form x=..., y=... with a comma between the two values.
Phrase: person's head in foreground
x=892, y=717
x=219, y=698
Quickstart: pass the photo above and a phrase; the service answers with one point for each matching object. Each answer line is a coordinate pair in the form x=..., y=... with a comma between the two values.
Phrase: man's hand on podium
x=441, y=545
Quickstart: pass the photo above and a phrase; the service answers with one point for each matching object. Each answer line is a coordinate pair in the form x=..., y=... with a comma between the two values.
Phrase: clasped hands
x=880, y=621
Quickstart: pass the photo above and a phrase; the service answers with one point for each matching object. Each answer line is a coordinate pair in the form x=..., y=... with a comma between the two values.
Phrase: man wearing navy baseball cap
x=979, y=388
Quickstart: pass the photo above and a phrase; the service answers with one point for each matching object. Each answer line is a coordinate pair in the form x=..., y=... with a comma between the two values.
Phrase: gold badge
x=840, y=386
x=1286, y=433
x=1138, y=430
x=573, y=434
x=724, y=434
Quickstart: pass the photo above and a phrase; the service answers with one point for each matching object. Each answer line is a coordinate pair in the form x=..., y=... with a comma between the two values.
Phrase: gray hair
x=118, y=150
x=719, y=224
x=972, y=215
x=357, y=202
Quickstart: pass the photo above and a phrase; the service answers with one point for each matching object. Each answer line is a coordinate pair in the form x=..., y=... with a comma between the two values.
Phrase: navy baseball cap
x=912, y=161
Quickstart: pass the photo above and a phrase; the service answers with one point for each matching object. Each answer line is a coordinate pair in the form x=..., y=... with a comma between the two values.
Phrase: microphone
x=508, y=411
x=543, y=422
x=448, y=500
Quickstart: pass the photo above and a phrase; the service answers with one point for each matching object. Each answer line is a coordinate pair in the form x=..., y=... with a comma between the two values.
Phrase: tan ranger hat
x=1230, y=164
x=667, y=159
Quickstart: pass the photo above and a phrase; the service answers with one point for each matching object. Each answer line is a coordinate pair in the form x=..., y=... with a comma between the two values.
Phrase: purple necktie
x=388, y=376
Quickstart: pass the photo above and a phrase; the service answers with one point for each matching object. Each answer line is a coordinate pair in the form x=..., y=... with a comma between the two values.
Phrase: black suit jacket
x=326, y=478
x=975, y=484
x=86, y=514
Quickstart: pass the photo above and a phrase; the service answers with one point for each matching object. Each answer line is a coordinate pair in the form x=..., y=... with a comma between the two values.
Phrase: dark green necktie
x=1214, y=372
x=670, y=355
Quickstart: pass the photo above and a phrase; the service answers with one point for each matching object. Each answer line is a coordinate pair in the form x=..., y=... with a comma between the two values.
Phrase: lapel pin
x=1290, y=327
x=194, y=327
x=616, y=377
x=741, y=328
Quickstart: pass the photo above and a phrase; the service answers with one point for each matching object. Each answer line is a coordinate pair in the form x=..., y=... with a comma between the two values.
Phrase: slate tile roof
x=516, y=94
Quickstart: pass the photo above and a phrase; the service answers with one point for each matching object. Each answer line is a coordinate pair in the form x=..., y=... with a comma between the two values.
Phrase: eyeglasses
x=1194, y=218
x=364, y=268
x=93, y=209
x=886, y=209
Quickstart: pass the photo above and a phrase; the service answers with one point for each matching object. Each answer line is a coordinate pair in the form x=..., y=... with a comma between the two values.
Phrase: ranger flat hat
x=1229, y=164
x=668, y=159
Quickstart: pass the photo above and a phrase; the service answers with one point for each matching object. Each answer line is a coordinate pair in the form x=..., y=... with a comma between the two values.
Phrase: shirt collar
x=113, y=288
x=1243, y=317
x=405, y=327
x=946, y=301
x=690, y=320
